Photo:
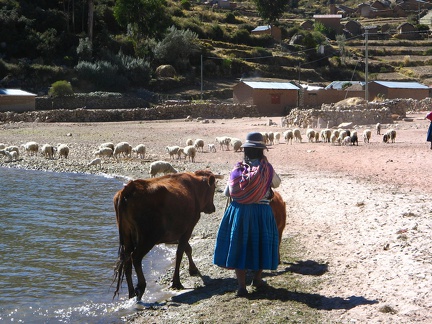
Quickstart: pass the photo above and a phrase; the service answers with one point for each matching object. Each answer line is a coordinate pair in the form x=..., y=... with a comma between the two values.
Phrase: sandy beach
x=357, y=245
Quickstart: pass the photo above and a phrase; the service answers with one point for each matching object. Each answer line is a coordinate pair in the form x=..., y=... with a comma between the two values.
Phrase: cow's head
x=209, y=179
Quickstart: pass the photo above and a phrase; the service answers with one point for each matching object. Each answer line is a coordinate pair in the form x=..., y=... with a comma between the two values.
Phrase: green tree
x=271, y=10
x=144, y=18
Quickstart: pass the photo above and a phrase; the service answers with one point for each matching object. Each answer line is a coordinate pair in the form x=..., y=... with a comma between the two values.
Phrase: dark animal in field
x=159, y=210
x=389, y=136
x=354, y=139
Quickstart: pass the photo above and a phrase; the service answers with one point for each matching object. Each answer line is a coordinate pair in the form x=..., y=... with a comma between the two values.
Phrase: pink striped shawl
x=249, y=184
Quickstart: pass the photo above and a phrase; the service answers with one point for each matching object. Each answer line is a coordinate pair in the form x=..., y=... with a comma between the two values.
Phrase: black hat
x=254, y=140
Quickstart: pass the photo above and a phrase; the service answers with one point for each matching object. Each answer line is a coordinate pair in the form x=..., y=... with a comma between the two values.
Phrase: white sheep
x=124, y=148
x=48, y=151
x=277, y=136
x=140, y=150
x=173, y=150
x=11, y=155
x=108, y=144
x=326, y=135
x=199, y=143
x=342, y=135
x=297, y=135
x=346, y=140
x=378, y=128
x=180, y=152
x=190, y=152
x=161, y=167
x=310, y=134
x=96, y=162
x=32, y=148
x=270, y=137
x=211, y=147
x=265, y=137
x=189, y=141
x=223, y=140
x=63, y=151
x=367, y=133
x=389, y=136
x=104, y=151
x=236, y=144
x=288, y=136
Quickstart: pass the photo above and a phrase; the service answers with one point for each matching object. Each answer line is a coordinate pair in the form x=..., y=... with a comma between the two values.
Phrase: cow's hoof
x=138, y=294
x=177, y=286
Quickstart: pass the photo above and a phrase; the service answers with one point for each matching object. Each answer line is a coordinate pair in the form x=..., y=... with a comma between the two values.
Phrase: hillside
x=34, y=55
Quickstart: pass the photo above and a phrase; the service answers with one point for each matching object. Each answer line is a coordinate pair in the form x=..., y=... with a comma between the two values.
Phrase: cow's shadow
x=222, y=286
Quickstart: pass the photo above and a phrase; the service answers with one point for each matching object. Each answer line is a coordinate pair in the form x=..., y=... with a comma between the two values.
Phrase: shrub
x=61, y=89
x=185, y=4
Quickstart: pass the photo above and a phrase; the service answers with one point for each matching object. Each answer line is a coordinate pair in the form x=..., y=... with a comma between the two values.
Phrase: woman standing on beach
x=429, y=133
x=247, y=238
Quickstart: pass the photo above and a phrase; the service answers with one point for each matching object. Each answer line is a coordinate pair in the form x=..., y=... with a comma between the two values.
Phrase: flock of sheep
x=337, y=136
x=192, y=147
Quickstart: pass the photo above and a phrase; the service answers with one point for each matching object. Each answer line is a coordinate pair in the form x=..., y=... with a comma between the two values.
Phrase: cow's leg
x=193, y=270
x=181, y=248
x=137, y=257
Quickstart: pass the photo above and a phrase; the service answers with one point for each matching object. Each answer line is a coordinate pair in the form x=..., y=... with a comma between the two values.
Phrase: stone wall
x=173, y=111
x=384, y=112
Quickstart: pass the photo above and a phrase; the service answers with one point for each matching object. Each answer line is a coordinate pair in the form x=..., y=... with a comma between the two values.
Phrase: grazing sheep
x=224, y=140
x=277, y=136
x=32, y=148
x=173, y=150
x=212, y=148
x=270, y=138
x=12, y=148
x=317, y=136
x=124, y=148
x=140, y=150
x=333, y=138
x=354, y=138
x=104, y=151
x=367, y=133
x=336, y=132
x=108, y=144
x=161, y=167
x=389, y=136
x=346, y=140
x=63, y=151
x=199, y=143
x=326, y=135
x=96, y=162
x=11, y=155
x=180, y=152
x=265, y=137
x=190, y=152
x=289, y=136
x=341, y=137
x=189, y=141
x=236, y=144
x=378, y=129
x=297, y=135
x=310, y=134
x=48, y=151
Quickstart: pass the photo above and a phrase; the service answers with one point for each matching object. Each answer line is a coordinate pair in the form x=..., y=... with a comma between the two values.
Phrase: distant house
x=16, y=100
x=274, y=31
x=394, y=90
x=330, y=21
x=353, y=28
x=407, y=31
x=271, y=98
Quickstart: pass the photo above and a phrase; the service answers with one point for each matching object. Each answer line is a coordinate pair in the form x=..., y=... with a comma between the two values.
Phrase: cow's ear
x=211, y=180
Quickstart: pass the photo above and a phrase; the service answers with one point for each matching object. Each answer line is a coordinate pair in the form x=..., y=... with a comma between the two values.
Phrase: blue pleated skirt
x=247, y=238
x=429, y=133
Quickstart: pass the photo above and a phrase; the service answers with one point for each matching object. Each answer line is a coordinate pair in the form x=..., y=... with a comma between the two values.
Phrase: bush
x=61, y=89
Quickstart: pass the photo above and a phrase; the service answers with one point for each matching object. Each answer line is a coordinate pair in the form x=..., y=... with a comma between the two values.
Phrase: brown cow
x=278, y=206
x=159, y=210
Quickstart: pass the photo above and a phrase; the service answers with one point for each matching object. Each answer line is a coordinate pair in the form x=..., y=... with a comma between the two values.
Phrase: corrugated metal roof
x=15, y=92
x=402, y=85
x=271, y=85
x=262, y=28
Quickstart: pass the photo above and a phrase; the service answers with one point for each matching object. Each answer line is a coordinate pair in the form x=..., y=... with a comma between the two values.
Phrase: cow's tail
x=120, y=203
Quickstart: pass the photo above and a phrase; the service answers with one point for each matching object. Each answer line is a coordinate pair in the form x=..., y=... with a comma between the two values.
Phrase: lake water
x=58, y=247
